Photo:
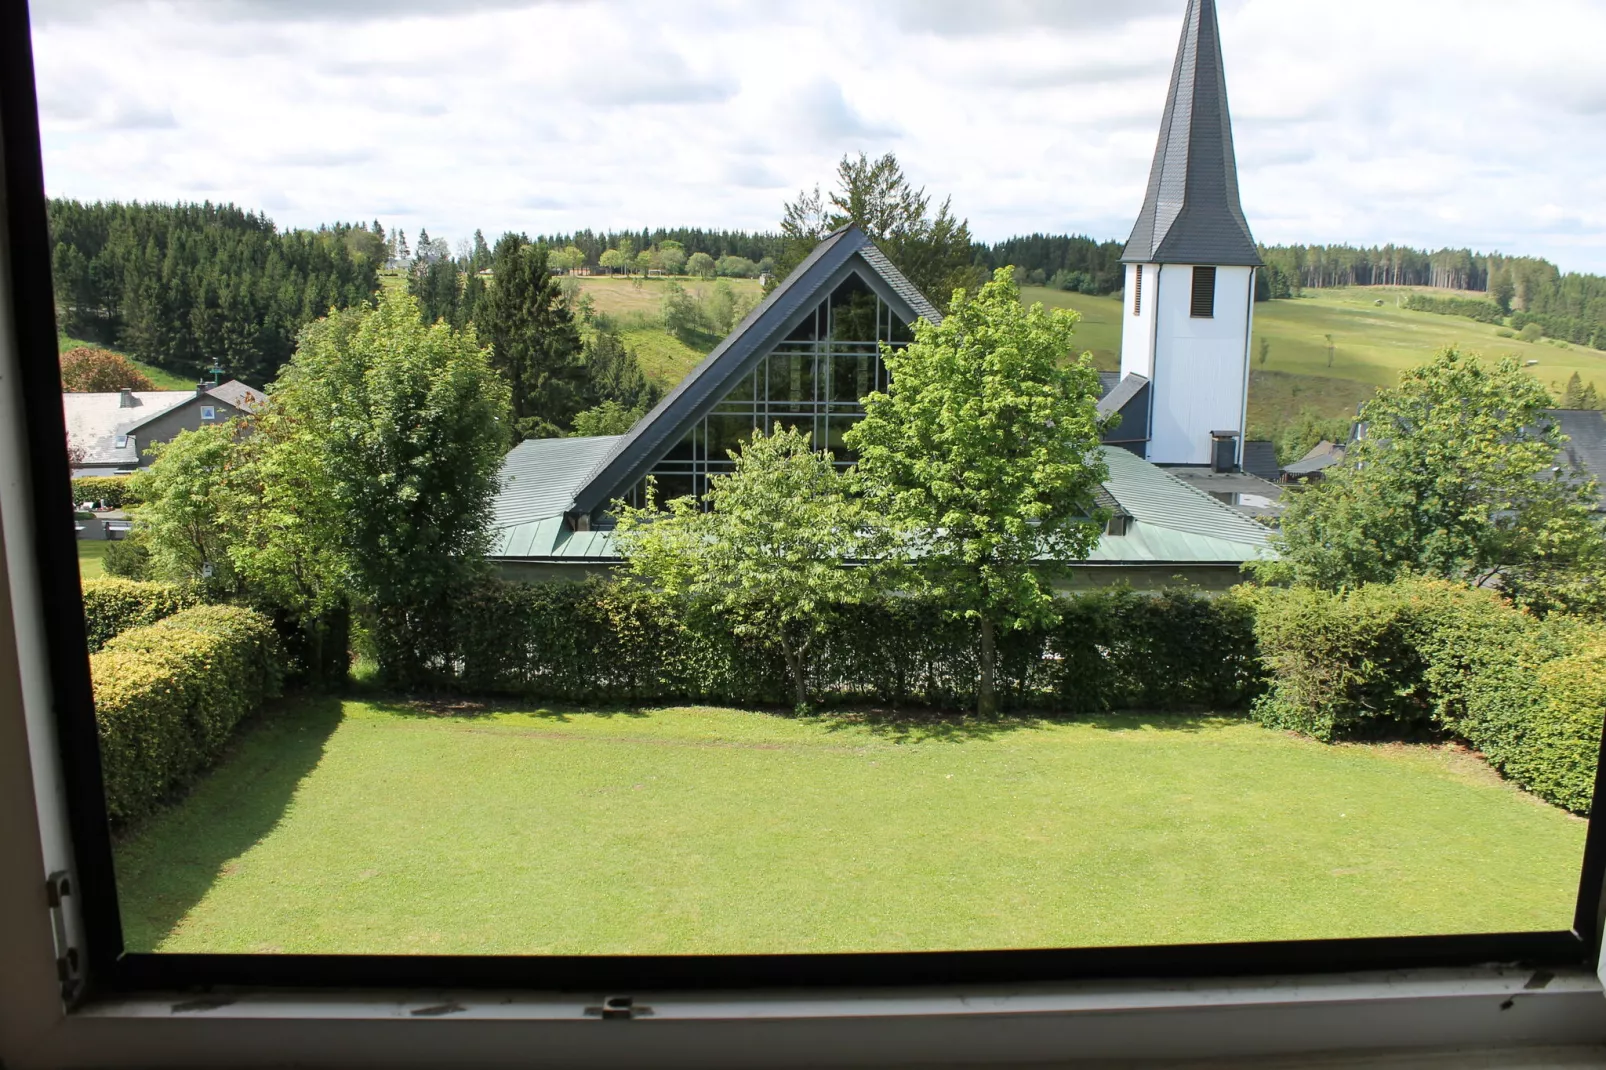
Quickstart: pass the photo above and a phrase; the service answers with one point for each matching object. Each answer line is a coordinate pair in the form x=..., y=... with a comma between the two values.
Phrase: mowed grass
x=91, y=554
x=163, y=380
x=374, y=827
x=618, y=295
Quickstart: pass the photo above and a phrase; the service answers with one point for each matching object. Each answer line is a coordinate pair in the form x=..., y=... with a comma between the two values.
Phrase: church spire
x=1191, y=213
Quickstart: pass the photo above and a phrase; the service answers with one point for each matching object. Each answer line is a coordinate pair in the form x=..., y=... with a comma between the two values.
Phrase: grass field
x=91, y=552
x=372, y=827
x=1372, y=344
x=164, y=380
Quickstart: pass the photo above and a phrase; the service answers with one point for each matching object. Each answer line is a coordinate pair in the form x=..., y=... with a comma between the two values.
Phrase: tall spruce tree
x=535, y=343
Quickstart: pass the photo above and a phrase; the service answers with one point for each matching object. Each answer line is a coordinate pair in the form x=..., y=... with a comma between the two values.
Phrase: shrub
x=113, y=490
x=1417, y=655
x=1470, y=307
x=113, y=606
x=128, y=557
x=1532, y=333
x=168, y=696
x=87, y=368
x=603, y=641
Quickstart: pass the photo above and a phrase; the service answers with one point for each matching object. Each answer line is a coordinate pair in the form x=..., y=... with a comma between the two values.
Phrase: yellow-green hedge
x=112, y=606
x=168, y=696
x=113, y=490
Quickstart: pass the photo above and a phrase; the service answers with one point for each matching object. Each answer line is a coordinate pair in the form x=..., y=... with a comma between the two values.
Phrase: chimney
x=125, y=399
x=202, y=387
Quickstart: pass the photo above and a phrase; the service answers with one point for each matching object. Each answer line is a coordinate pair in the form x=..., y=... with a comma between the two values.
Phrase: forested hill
x=183, y=286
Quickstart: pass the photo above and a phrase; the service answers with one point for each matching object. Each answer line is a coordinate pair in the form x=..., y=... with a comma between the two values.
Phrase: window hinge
x=619, y=1007
x=69, y=967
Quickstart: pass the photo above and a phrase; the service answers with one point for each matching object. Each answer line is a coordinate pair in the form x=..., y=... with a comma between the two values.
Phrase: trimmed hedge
x=112, y=606
x=113, y=490
x=609, y=642
x=1470, y=307
x=168, y=696
x=1431, y=656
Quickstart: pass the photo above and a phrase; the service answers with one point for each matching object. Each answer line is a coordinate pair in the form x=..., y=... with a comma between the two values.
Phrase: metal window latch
x=618, y=1007
x=69, y=967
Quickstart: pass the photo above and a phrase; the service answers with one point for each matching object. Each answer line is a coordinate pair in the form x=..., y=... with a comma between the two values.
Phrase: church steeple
x=1191, y=213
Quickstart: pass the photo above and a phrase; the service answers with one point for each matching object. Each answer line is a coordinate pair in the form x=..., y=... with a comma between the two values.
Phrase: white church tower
x=1190, y=272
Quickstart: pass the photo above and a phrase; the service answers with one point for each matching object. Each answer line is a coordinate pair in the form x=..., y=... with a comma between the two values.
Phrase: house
x=807, y=354
x=116, y=429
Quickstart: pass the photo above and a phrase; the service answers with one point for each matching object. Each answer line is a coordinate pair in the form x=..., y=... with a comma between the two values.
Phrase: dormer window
x=1204, y=293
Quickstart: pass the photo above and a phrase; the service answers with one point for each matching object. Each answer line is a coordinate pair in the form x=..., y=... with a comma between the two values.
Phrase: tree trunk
x=986, y=695
x=794, y=662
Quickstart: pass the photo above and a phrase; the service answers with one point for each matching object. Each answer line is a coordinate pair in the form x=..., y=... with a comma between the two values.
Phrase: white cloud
x=1434, y=122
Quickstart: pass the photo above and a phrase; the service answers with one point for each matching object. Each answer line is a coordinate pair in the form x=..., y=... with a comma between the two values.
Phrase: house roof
x=1324, y=454
x=1115, y=399
x=1172, y=523
x=634, y=453
x=95, y=420
x=1191, y=210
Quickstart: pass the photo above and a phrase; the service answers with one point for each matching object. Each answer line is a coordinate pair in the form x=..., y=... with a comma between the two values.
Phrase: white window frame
x=209, y=412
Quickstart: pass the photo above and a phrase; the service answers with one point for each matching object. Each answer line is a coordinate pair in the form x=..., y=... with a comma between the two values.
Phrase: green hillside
x=1371, y=344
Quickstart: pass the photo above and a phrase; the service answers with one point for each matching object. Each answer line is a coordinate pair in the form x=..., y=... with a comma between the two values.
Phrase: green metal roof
x=1172, y=523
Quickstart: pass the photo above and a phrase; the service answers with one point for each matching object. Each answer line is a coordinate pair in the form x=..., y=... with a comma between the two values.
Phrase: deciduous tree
x=774, y=554
x=984, y=453
x=1456, y=478
x=86, y=368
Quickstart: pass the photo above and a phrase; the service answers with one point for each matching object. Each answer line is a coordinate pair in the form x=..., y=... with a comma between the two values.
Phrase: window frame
x=110, y=971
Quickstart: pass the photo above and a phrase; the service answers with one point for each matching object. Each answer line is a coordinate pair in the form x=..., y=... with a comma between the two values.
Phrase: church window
x=1204, y=292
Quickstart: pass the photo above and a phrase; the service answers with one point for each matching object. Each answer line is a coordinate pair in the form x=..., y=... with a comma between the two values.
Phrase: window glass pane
x=727, y=433
x=853, y=311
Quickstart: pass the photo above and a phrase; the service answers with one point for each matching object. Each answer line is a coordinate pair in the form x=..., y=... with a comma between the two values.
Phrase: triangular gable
x=844, y=251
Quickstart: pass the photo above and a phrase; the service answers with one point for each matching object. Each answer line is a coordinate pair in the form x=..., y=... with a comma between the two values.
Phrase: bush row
x=1427, y=656
x=112, y=606
x=168, y=695
x=1470, y=307
x=604, y=642
x=113, y=490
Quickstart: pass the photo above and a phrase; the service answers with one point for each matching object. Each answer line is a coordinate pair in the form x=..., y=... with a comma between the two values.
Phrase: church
x=811, y=350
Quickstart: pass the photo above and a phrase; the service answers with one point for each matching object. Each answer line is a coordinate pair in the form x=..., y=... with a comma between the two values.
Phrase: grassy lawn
x=368, y=826
x=90, y=554
x=616, y=295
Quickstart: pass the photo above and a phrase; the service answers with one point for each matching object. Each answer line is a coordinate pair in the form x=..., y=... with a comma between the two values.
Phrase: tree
x=182, y=495
x=1453, y=479
x=86, y=368
x=409, y=424
x=614, y=374
x=480, y=257
x=672, y=257
x=984, y=454
x=535, y=344
x=683, y=316
x=773, y=555
x=611, y=260
x=725, y=308
x=700, y=265
x=934, y=252
x=606, y=418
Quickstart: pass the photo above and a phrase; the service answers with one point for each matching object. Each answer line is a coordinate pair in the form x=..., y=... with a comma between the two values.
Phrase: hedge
x=608, y=642
x=1470, y=307
x=1422, y=656
x=112, y=606
x=113, y=490
x=168, y=696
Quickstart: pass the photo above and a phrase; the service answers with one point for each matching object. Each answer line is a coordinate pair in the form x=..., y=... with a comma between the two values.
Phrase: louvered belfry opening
x=1137, y=292
x=1204, y=293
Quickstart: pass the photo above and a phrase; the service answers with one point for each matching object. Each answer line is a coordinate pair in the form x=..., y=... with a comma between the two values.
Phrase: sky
x=1425, y=122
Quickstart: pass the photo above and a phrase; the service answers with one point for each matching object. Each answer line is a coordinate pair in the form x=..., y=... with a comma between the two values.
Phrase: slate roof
x=1115, y=400
x=1324, y=454
x=637, y=451
x=95, y=419
x=1172, y=523
x=1191, y=211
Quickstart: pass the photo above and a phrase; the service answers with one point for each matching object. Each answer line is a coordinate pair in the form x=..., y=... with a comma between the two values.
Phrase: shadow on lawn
x=934, y=726
x=166, y=865
x=469, y=709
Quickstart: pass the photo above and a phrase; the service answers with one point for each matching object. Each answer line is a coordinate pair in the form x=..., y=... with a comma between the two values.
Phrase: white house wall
x=1137, y=332
x=1199, y=364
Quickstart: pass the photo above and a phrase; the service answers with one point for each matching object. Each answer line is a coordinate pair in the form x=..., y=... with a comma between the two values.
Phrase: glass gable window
x=813, y=380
